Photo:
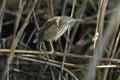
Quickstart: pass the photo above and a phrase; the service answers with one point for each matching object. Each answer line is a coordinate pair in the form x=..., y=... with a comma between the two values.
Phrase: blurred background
x=80, y=41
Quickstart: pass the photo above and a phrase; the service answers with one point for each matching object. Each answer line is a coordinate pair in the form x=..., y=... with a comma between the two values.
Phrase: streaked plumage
x=54, y=28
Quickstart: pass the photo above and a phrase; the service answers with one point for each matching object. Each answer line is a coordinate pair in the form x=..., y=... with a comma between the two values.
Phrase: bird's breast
x=61, y=30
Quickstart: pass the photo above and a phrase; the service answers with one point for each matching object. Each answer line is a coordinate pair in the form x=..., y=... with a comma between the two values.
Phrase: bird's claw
x=53, y=54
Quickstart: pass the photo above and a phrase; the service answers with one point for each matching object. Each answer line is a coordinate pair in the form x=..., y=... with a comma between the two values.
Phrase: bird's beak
x=74, y=20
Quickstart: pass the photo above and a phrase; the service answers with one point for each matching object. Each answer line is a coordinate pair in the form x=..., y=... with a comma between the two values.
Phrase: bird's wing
x=41, y=32
x=50, y=32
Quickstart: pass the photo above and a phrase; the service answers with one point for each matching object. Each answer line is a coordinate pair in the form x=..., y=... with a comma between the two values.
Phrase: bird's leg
x=40, y=48
x=52, y=49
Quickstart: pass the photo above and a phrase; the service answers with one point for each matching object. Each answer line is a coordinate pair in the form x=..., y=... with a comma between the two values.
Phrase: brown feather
x=54, y=28
x=47, y=30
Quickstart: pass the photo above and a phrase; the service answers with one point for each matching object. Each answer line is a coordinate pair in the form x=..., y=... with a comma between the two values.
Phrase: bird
x=53, y=29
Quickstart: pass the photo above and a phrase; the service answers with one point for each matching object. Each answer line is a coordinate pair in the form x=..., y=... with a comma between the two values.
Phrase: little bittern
x=54, y=28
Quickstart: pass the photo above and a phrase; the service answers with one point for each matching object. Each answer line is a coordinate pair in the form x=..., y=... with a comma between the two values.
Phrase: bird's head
x=65, y=19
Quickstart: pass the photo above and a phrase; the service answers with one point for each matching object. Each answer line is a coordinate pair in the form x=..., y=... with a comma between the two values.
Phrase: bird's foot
x=40, y=54
x=53, y=54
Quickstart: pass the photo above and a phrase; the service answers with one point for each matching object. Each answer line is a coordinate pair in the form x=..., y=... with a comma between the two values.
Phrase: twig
x=35, y=19
x=93, y=5
x=21, y=6
x=83, y=6
x=108, y=66
x=50, y=11
x=71, y=65
x=30, y=37
x=1, y=21
x=8, y=22
x=66, y=46
x=50, y=8
x=11, y=56
x=63, y=13
x=67, y=42
x=110, y=52
x=3, y=7
x=98, y=42
x=51, y=64
x=6, y=51
x=64, y=7
x=107, y=12
x=53, y=76
x=21, y=40
x=73, y=8
x=2, y=14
